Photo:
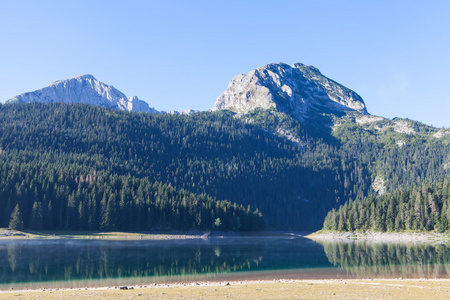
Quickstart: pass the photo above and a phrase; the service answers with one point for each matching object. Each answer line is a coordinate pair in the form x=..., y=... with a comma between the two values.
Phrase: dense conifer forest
x=47, y=198
x=87, y=167
x=420, y=208
x=55, y=174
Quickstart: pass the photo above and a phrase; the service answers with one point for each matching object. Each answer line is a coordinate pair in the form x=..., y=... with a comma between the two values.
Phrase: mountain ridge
x=298, y=90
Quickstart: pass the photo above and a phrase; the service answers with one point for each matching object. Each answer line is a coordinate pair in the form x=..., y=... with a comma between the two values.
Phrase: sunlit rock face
x=84, y=89
x=299, y=90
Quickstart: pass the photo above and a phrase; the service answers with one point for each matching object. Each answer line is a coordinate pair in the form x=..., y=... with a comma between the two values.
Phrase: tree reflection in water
x=369, y=259
x=27, y=261
x=34, y=261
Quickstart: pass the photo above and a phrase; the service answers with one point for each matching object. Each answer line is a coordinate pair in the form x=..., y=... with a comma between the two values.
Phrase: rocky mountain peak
x=86, y=77
x=84, y=89
x=299, y=90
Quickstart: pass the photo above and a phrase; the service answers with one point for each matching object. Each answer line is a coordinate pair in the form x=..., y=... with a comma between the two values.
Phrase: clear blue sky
x=181, y=54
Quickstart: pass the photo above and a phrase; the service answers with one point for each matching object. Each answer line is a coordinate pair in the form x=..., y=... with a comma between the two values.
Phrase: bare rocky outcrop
x=368, y=119
x=84, y=89
x=379, y=186
x=441, y=133
x=299, y=90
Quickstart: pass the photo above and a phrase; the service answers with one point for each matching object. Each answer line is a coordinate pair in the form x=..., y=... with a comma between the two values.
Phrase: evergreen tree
x=16, y=221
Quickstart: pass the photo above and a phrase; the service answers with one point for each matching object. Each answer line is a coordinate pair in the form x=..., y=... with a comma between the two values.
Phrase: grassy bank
x=276, y=289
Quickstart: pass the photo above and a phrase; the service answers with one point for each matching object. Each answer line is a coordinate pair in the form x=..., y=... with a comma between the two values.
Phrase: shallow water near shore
x=33, y=263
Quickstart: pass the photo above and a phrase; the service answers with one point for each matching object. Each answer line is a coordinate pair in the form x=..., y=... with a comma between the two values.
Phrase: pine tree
x=16, y=221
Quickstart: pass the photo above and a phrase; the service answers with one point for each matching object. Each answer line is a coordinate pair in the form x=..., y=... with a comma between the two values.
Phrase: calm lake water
x=80, y=263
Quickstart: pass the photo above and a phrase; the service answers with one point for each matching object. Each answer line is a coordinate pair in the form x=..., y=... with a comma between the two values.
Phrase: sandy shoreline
x=155, y=235
x=257, y=289
x=382, y=237
x=6, y=233
x=310, y=284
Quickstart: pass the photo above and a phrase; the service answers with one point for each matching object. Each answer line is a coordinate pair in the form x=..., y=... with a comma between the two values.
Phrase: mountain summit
x=298, y=90
x=85, y=89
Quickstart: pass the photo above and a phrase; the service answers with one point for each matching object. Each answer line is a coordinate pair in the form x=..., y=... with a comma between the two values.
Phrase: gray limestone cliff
x=299, y=90
x=84, y=89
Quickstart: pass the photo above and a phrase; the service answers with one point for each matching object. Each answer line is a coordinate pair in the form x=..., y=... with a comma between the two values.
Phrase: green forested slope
x=293, y=173
x=420, y=207
x=61, y=167
x=412, y=167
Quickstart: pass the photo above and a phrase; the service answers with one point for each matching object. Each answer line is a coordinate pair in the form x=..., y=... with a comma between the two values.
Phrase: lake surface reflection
x=366, y=259
x=93, y=262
